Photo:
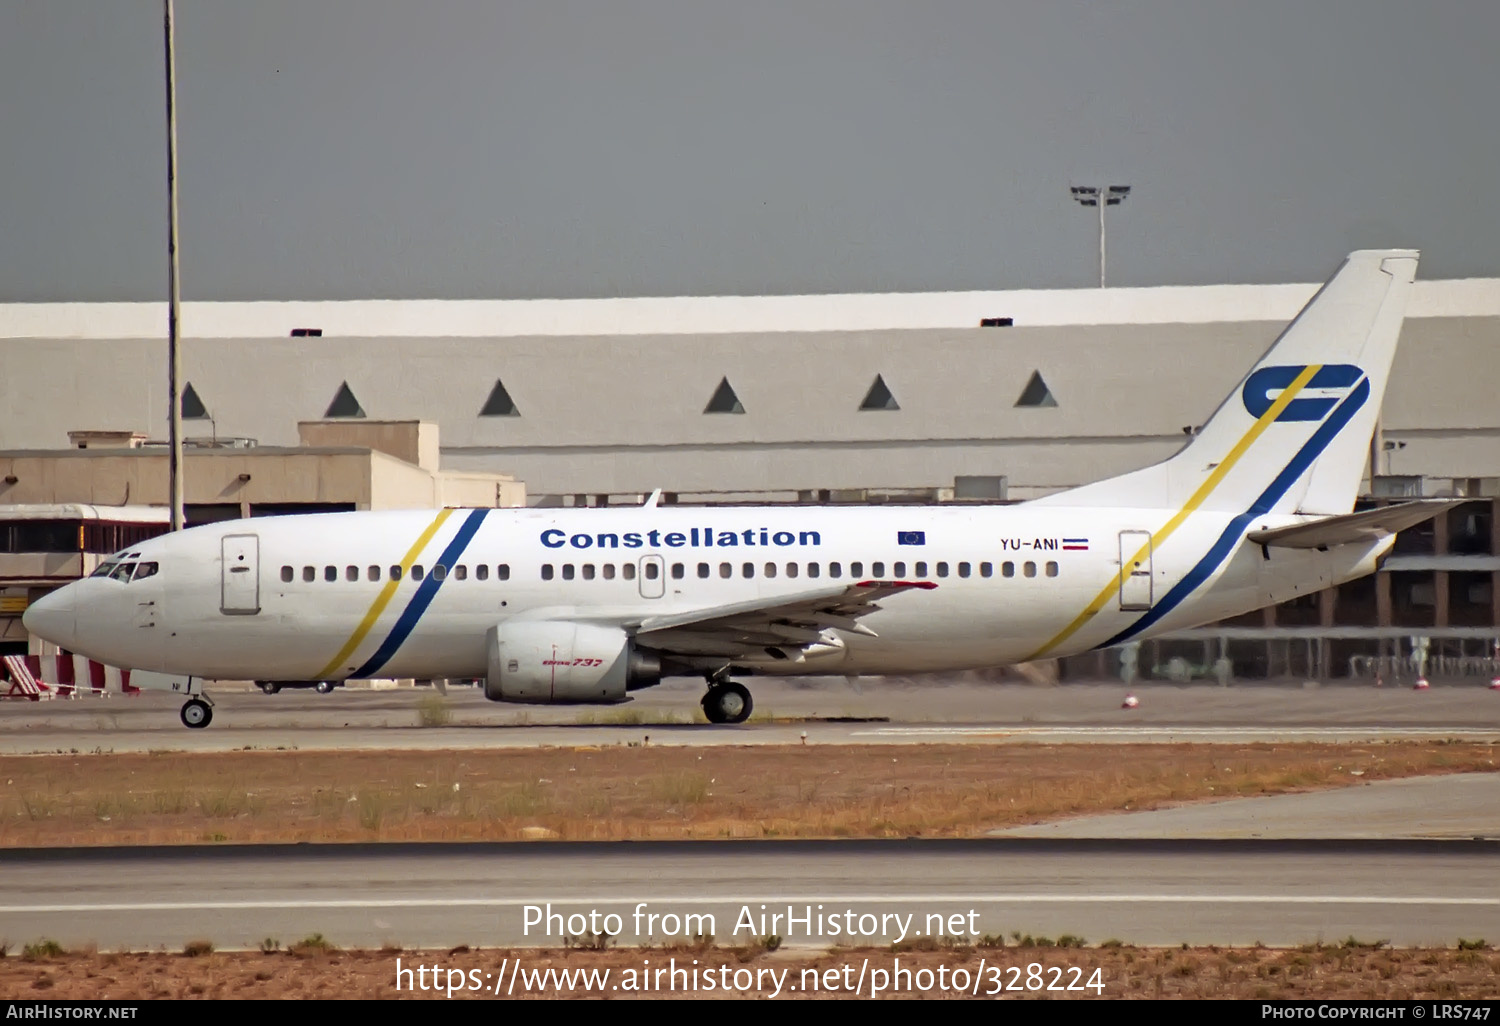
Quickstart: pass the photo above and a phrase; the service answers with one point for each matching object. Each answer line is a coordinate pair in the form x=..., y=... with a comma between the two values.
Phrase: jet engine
x=543, y=661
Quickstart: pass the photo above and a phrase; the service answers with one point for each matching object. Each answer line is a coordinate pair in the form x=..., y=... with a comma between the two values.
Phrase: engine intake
x=546, y=661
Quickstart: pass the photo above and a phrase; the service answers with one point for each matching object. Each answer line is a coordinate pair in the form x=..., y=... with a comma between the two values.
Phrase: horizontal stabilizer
x=1351, y=528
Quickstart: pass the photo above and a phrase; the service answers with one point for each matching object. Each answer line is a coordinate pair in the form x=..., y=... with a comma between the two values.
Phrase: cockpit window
x=122, y=571
x=104, y=569
x=144, y=570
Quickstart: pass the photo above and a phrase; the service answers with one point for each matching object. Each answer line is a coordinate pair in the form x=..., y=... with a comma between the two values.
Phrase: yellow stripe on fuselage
x=384, y=598
x=1197, y=499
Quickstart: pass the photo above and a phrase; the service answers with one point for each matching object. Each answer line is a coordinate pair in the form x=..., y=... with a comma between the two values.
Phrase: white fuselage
x=1012, y=583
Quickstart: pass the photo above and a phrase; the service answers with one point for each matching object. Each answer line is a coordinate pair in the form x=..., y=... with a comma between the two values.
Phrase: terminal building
x=974, y=396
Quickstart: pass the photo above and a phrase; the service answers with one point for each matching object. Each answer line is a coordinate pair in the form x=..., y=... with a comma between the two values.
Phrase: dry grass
x=313, y=970
x=632, y=792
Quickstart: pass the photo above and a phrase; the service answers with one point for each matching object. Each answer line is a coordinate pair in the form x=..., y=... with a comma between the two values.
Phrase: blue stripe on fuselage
x=423, y=598
x=1227, y=541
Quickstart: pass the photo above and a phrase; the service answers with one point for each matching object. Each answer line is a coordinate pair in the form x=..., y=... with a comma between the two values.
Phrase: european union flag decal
x=911, y=537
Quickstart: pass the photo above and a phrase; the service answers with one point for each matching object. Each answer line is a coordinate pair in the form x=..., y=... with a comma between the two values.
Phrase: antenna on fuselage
x=652, y=500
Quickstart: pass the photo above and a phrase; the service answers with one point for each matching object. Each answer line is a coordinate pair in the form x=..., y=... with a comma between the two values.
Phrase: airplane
x=589, y=605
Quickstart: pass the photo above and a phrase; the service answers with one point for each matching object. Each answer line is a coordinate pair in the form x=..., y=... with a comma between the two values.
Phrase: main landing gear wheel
x=196, y=713
x=727, y=703
x=270, y=687
x=323, y=687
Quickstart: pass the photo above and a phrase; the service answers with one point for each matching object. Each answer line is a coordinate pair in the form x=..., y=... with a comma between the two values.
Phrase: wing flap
x=1353, y=528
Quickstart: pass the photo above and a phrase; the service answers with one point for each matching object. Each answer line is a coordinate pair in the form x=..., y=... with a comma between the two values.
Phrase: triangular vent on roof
x=1036, y=392
x=499, y=404
x=344, y=404
x=724, y=400
x=879, y=397
x=192, y=406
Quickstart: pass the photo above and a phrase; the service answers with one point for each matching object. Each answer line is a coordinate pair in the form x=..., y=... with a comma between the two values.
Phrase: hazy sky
x=342, y=149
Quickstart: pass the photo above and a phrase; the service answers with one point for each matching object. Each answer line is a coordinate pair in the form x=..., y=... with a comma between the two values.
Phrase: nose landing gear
x=727, y=702
x=197, y=713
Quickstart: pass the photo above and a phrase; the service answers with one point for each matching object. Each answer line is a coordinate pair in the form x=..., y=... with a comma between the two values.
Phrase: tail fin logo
x=1330, y=384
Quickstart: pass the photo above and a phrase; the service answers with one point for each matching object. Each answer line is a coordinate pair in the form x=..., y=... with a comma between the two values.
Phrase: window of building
x=569, y=571
x=1036, y=393
x=499, y=404
x=482, y=572
x=287, y=573
x=546, y=571
x=344, y=405
x=1029, y=569
x=724, y=400
x=879, y=397
x=1051, y=568
x=330, y=573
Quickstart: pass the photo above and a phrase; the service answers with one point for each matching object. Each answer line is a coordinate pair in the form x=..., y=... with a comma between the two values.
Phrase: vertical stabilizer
x=1294, y=434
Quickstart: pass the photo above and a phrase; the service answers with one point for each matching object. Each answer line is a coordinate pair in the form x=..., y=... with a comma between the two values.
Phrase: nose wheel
x=727, y=702
x=196, y=713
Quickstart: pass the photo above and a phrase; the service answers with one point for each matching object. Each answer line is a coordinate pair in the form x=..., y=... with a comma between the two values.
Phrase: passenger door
x=1135, y=570
x=652, y=577
x=240, y=586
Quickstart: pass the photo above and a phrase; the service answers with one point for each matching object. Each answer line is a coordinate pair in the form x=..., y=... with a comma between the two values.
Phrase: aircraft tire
x=270, y=687
x=323, y=687
x=727, y=703
x=196, y=713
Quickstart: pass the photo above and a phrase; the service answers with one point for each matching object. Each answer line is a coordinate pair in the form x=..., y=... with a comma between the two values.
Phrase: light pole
x=1101, y=197
x=174, y=359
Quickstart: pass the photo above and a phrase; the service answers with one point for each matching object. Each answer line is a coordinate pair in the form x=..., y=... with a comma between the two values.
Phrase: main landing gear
x=197, y=713
x=727, y=702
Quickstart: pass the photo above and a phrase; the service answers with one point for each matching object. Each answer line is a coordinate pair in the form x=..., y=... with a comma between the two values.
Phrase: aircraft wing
x=786, y=623
x=1349, y=528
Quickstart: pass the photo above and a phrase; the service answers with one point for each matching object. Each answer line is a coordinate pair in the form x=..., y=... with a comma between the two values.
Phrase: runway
x=881, y=712
x=1140, y=892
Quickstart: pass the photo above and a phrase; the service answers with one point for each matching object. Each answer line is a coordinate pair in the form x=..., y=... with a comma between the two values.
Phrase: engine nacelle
x=560, y=661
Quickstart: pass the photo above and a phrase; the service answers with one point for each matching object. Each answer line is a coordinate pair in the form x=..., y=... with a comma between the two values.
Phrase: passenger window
x=351, y=573
x=899, y=570
x=416, y=571
x=835, y=570
x=652, y=571
x=704, y=570
x=568, y=571
x=1051, y=569
x=627, y=571
x=877, y=569
x=588, y=571
x=286, y=573
x=144, y=570
x=678, y=571
x=439, y=572
x=546, y=571
x=309, y=573
x=921, y=569
x=942, y=569
x=726, y=571
x=482, y=572
x=502, y=572
x=963, y=569
x=609, y=571
x=1007, y=569
x=986, y=570
x=812, y=569
x=395, y=571
x=460, y=573
x=373, y=573
x=748, y=570
x=330, y=573
x=1029, y=569
x=791, y=569
x=856, y=569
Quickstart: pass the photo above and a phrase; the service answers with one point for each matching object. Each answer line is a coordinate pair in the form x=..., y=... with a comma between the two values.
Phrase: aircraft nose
x=53, y=617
